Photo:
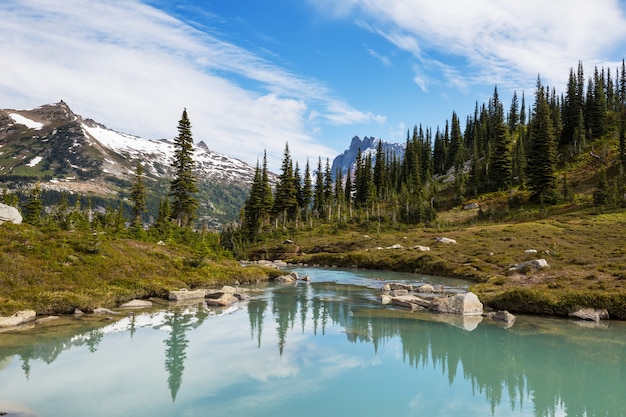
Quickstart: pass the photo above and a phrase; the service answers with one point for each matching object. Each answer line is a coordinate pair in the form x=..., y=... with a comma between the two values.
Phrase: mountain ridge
x=67, y=152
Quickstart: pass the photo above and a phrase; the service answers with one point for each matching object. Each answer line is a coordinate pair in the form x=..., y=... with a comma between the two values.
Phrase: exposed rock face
x=465, y=304
x=186, y=295
x=9, y=214
x=17, y=319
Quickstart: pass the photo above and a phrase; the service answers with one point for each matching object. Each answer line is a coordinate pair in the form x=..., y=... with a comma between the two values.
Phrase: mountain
x=67, y=152
x=368, y=146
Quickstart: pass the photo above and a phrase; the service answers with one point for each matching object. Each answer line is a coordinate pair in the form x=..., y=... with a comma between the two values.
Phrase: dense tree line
x=522, y=148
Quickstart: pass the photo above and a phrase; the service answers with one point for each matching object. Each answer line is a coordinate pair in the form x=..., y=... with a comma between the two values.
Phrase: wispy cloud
x=498, y=42
x=134, y=68
x=382, y=58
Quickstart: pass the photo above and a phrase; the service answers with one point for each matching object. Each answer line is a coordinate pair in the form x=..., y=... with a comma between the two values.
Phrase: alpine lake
x=327, y=347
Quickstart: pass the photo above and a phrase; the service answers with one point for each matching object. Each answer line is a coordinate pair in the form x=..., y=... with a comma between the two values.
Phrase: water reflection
x=540, y=367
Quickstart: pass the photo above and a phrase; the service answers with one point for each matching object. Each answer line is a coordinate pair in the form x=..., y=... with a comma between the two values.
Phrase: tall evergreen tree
x=285, y=199
x=138, y=196
x=267, y=197
x=183, y=185
x=501, y=164
x=379, y=169
x=34, y=207
x=307, y=187
x=541, y=166
x=319, y=202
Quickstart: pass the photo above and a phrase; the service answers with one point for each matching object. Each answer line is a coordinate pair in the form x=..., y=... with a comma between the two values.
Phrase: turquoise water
x=323, y=348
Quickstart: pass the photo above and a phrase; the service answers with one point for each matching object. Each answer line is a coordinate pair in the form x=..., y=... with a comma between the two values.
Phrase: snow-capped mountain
x=65, y=151
x=368, y=146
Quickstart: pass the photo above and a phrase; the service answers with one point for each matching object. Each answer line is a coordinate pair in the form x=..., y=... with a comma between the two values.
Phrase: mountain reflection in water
x=311, y=343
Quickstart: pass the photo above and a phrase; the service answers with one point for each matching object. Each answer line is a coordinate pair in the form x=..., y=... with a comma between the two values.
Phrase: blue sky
x=255, y=74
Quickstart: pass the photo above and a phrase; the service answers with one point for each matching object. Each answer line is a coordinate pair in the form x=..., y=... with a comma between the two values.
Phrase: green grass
x=585, y=251
x=55, y=272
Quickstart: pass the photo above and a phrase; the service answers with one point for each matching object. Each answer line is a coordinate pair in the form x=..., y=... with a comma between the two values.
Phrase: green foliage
x=183, y=186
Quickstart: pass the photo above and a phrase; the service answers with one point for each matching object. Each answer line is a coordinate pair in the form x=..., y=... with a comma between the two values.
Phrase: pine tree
x=501, y=164
x=267, y=196
x=541, y=165
x=379, y=169
x=307, y=188
x=285, y=199
x=34, y=207
x=319, y=202
x=138, y=197
x=183, y=185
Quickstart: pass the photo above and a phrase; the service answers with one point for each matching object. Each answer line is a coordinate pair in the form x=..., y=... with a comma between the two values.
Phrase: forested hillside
x=545, y=150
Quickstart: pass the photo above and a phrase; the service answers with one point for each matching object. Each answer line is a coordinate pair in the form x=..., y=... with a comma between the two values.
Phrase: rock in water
x=17, y=319
x=466, y=304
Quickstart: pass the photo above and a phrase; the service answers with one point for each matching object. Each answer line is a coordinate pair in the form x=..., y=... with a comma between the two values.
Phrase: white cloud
x=134, y=68
x=382, y=58
x=497, y=42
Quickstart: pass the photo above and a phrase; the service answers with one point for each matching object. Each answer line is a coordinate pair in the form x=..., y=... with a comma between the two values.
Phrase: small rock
x=399, y=292
x=445, y=240
x=78, y=312
x=305, y=278
x=471, y=206
x=385, y=299
x=426, y=289
x=386, y=287
x=396, y=246
x=287, y=242
x=227, y=289
x=19, y=318
x=501, y=315
x=137, y=304
x=530, y=251
x=224, y=301
x=285, y=279
x=590, y=314
x=184, y=294
x=421, y=248
x=293, y=274
x=535, y=263
x=103, y=311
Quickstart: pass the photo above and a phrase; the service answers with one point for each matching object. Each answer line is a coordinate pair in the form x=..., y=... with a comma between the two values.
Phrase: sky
x=255, y=75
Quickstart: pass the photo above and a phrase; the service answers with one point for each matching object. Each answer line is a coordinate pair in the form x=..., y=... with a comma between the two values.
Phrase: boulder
x=399, y=292
x=444, y=240
x=439, y=289
x=396, y=246
x=590, y=314
x=407, y=301
x=421, y=248
x=224, y=300
x=137, y=304
x=285, y=279
x=465, y=304
x=185, y=294
x=501, y=315
x=9, y=214
x=535, y=263
x=17, y=319
x=227, y=289
x=425, y=289
x=294, y=275
x=386, y=287
x=385, y=299
x=471, y=206
x=398, y=286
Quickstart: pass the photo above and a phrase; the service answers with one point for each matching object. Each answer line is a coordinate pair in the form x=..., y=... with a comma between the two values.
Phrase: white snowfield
x=213, y=164
x=31, y=124
x=33, y=162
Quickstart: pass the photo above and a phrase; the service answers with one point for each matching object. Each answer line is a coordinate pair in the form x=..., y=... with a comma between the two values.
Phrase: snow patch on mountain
x=29, y=123
x=33, y=162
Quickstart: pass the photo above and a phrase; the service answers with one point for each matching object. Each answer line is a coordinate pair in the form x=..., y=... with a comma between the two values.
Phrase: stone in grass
x=590, y=314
